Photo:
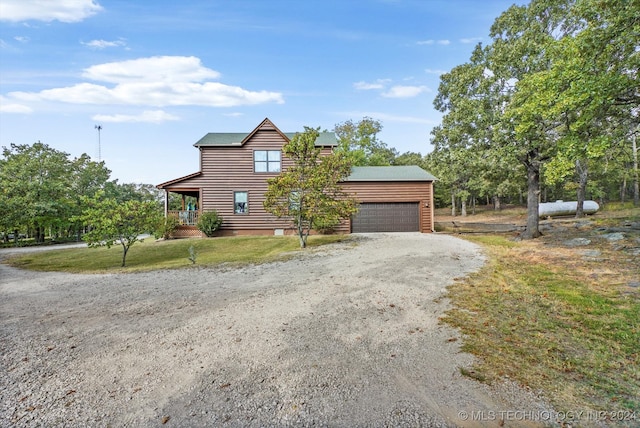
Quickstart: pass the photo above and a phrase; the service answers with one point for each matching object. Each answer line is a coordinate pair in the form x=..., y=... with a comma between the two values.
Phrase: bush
x=166, y=227
x=326, y=225
x=209, y=222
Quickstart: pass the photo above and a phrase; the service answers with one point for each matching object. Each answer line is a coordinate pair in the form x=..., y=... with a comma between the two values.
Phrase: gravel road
x=345, y=335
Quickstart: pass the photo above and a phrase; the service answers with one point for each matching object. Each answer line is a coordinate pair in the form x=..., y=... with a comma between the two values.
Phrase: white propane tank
x=559, y=208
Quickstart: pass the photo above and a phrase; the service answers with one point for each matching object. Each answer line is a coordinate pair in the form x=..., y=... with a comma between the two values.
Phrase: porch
x=183, y=204
x=187, y=223
x=185, y=217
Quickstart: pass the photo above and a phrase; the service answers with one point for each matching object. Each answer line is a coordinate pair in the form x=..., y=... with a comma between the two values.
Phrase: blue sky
x=158, y=75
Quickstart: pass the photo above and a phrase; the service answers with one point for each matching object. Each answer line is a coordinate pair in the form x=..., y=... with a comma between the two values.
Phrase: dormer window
x=266, y=161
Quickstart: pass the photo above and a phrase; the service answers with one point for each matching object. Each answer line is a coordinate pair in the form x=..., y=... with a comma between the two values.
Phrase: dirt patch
x=347, y=335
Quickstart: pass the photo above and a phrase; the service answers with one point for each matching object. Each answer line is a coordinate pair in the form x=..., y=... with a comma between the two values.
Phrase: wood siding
x=228, y=169
x=392, y=191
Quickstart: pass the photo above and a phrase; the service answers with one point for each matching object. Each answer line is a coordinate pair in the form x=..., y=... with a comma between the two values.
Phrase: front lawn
x=152, y=255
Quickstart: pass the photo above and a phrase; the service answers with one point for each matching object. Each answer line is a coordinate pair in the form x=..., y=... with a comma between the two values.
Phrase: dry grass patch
x=555, y=319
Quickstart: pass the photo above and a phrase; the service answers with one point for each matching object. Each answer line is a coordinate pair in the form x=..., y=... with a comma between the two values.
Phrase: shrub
x=166, y=227
x=209, y=222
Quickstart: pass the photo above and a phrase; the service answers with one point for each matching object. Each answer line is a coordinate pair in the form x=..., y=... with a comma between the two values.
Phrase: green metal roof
x=221, y=139
x=390, y=173
x=325, y=139
x=235, y=138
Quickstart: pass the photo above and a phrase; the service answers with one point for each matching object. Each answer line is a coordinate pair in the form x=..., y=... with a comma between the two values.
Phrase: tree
x=111, y=222
x=585, y=88
x=35, y=182
x=88, y=177
x=309, y=191
x=360, y=144
x=480, y=99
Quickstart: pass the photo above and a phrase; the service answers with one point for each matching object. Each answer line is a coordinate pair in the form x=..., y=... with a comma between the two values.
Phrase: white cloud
x=152, y=69
x=471, y=40
x=7, y=106
x=155, y=116
x=365, y=86
x=102, y=44
x=443, y=42
x=21, y=39
x=436, y=71
x=48, y=10
x=155, y=81
x=400, y=91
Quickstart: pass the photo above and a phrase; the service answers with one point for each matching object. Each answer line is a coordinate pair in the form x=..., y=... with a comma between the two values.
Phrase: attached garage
x=392, y=199
x=387, y=217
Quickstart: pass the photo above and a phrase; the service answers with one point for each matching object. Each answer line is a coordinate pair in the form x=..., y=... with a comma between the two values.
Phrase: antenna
x=99, y=128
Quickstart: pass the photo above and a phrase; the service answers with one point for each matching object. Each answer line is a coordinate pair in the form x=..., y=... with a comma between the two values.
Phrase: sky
x=156, y=76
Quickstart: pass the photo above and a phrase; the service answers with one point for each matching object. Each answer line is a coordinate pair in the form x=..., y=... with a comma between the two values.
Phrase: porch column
x=166, y=203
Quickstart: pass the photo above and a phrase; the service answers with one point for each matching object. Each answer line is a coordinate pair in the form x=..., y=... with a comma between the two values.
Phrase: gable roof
x=225, y=139
x=389, y=173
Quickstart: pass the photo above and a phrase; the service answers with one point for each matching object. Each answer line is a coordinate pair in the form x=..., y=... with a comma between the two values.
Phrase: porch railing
x=187, y=218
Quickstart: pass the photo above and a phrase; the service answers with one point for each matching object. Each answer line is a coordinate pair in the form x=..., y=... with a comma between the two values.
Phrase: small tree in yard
x=111, y=222
x=309, y=192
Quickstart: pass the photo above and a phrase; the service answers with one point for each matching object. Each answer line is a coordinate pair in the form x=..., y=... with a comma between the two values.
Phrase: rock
x=634, y=251
x=577, y=242
x=590, y=253
x=615, y=236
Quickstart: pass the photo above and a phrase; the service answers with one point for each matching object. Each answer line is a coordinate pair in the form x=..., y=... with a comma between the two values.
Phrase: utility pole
x=99, y=128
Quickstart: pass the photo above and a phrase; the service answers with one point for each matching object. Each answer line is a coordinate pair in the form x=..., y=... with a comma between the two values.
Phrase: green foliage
x=209, y=222
x=112, y=223
x=43, y=190
x=35, y=187
x=166, y=226
x=556, y=91
x=325, y=224
x=308, y=192
x=359, y=143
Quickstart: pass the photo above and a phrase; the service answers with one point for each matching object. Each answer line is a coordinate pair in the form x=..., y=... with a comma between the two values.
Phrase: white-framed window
x=266, y=161
x=241, y=202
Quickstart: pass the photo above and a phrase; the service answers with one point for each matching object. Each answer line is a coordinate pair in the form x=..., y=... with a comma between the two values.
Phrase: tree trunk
x=583, y=175
x=623, y=189
x=39, y=238
x=636, y=183
x=533, y=192
x=453, y=203
x=496, y=203
x=463, y=207
x=125, y=248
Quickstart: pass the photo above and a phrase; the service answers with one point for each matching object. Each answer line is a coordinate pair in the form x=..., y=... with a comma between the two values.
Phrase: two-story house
x=234, y=168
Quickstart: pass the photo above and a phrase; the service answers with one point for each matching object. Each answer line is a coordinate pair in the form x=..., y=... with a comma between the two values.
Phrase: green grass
x=150, y=255
x=542, y=323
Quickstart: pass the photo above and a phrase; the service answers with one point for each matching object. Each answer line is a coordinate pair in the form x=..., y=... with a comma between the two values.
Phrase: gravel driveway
x=346, y=335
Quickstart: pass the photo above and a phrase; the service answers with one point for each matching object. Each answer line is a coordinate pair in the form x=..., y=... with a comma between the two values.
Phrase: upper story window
x=266, y=161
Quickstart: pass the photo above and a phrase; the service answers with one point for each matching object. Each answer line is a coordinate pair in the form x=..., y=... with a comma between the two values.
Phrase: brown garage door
x=387, y=217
